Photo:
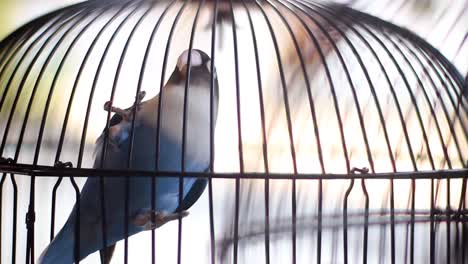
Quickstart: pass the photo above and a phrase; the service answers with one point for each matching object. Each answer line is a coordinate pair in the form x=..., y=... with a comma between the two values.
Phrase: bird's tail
x=60, y=250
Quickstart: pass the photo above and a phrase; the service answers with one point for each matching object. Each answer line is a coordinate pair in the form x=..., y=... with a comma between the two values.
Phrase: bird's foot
x=149, y=219
x=125, y=114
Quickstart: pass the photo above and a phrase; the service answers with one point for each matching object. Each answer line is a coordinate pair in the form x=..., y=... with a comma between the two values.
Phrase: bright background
x=443, y=23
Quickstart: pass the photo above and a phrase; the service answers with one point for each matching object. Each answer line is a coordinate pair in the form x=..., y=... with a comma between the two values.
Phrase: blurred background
x=442, y=23
x=15, y=13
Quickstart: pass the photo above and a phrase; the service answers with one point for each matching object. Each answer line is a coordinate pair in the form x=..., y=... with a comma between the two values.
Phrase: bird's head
x=200, y=67
x=200, y=72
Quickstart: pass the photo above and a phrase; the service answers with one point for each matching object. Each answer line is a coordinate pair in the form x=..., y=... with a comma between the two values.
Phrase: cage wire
x=339, y=137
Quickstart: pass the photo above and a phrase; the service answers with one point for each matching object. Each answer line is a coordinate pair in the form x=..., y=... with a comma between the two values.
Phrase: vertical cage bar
x=239, y=134
x=26, y=74
x=30, y=217
x=264, y=137
x=12, y=53
x=444, y=107
x=2, y=181
x=140, y=83
x=302, y=7
x=106, y=131
x=14, y=218
x=51, y=53
x=386, y=40
x=184, y=129
x=313, y=113
x=65, y=124
x=212, y=131
x=88, y=109
x=43, y=121
x=289, y=123
x=345, y=221
x=68, y=12
x=160, y=102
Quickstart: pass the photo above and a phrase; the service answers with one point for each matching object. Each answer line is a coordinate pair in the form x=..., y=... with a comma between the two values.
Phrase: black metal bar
x=76, y=239
x=329, y=78
x=2, y=181
x=106, y=133
x=448, y=233
x=383, y=228
x=48, y=171
x=12, y=54
x=30, y=225
x=239, y=133
x=464, y=235
x=413, y=205
x=40, y=21
x=96, y=78
x=52, y=214
x=458, y=18
x=311, y=104
x=430, y=157
x=45, y=113
x=353, y=88
x=264, y=137
x=438, y=128
x=366, y=221
x=401, y=119
x=450, y=71
x=14, y=217
x=82, y=15
x=384, y=128
x=361, y=121
x=30, y=215
x=184, y=128
x=90, y=100
x=289, y=124
x=323, y=61
x=140, y=82
x=7, y=49
x=444, y=107
x=431, y=227
x=345, y=221
x=212, y=131
x=448, y=230
x=413, y=48
x=312, y=109
x=459, y=49
x=53, y=22
x=427, y=100
x=160, y=102
x=284, y=226
x=332, y=88
x=443, y=146
x=65, y=123
x=29, y=68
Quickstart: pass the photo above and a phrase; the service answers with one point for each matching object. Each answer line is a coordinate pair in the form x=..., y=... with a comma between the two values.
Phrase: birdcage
x=330, y=136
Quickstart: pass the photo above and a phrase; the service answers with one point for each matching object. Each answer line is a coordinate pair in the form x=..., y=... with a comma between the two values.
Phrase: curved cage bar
x=338, y=137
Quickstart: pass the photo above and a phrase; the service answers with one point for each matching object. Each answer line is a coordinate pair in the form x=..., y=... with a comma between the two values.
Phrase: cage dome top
x=304, y=87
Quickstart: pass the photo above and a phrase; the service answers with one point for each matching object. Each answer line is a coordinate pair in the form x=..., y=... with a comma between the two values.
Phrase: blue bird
x=144, y=155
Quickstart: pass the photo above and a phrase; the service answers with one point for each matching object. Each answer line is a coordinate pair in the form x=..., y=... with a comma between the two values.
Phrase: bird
x=201, y=97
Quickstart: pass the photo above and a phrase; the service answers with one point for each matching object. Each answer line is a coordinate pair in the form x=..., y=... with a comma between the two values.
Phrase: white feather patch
x=195, y=59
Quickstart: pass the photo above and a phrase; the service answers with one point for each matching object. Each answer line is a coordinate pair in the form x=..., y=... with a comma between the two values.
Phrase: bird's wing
x=194, y=193
x=115, y=120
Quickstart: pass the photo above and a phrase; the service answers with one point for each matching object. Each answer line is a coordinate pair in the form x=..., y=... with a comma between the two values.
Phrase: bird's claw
x=125, y=114
x=145, y=219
